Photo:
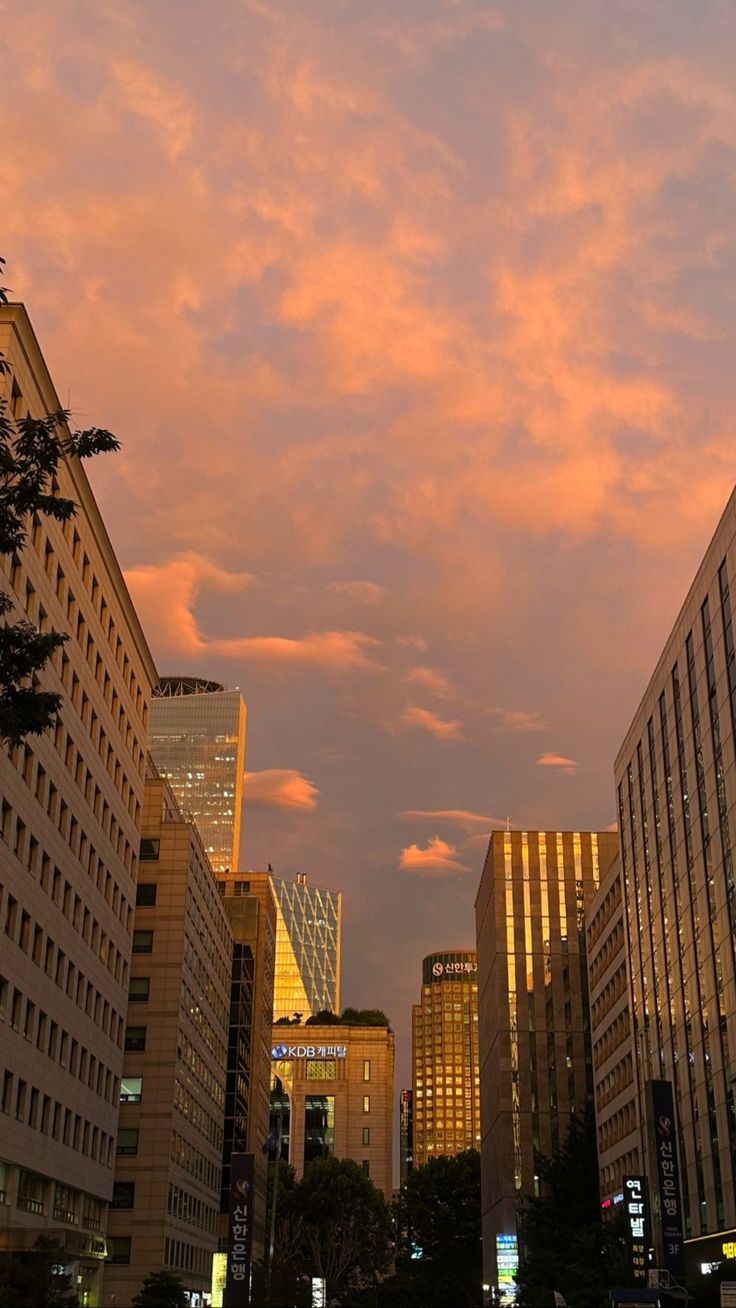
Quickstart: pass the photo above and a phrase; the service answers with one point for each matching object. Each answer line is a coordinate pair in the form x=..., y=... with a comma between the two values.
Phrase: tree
x=161, y=1290
x=325, y=1017
x=564, y=1244
x=364, y=1017
x=31, y=452
x=442, y=1210
x=36, y=1278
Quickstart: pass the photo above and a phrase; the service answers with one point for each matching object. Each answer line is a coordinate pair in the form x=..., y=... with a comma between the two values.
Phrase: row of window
x=610, y=995
x=191, y=1160
x=617, y=1126
x=612, y=1039
x=614, y=1082
x=603, y=914
x=613, y=948
x=194, y=1113
x=56, y=1043
x=200, y=1070
x=191, y=1210
x=31, y=1107
x=204, y=972
x=37, y=1194
x=51, y=959
x=191, y=1008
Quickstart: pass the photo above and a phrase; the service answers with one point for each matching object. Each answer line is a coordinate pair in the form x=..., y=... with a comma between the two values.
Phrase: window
x=366, y=1069
x=366, y=1166
x=366, y=1135
x=140, y=987
x=127, y=1141
x=149, y=850
x=135, y=1038
x=131, y=1090
x=366, y=1103
x=321, y=1069
x=142, y=942
x=123, y=1194
x=118, y=1248
x=31, y=1192
x=241, y=888
x=145, y=894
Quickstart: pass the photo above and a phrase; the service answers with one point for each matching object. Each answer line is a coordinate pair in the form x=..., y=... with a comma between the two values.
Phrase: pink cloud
x=442, y=728
x=438, y=859
x=280, y=788
x=366, y=592
x=460, y=816
x=517, y=719
x=432, y=680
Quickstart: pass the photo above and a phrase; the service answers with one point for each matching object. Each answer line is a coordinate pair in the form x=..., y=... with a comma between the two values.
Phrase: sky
x=415, y=319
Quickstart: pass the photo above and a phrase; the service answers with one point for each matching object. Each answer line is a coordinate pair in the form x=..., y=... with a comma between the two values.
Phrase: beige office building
x=251, y=909
x=70, y=808
x=166, y=1199
x=612, y=1041
x=338, y=1084
x=445, y=1072
x=534, y=1036
x=676, y=788
x=197, y=741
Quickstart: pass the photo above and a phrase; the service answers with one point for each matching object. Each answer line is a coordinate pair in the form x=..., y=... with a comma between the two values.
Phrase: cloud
x=438, y=859
x=460, y=816
x=517, y=719
x=413, y=716
x=432, y=680
x=366, y=592
x=165, y=596
x=280, y=788
x=550, y=760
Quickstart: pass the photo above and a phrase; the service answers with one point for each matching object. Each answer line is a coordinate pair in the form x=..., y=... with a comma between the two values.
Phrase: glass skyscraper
x=445, y=1089
x=308, y=921
x=197, y=741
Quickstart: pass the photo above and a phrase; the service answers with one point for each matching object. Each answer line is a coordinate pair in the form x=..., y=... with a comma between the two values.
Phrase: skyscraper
x=197, y=741
x=445, y=1081
x=406, y=1136
x=676, y=788
x=308, y=922
x=533, y=1011
x=70, y=811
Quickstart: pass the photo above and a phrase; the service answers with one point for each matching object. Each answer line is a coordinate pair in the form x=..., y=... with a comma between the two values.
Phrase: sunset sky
x=416, y=321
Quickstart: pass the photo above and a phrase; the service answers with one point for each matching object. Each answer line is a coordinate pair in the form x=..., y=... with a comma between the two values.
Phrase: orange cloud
x=165, y=595
x=280, y=788
x=438, y=859
x=366, y=592
x=550, y=760
x=517, y=719
x=413, y=716
x=430, y=679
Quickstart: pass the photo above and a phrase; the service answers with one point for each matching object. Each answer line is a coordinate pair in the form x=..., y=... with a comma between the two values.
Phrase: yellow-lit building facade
x=308, y=924
x=445, y=1070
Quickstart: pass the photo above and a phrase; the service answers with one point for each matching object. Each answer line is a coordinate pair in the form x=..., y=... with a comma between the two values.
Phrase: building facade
x=676, y=790
x=197, y=741
x=533, y=1011
x=166, y=1197
x=337, y=1096
x=445, y=1068
x=251, y=909
x=70, y=813
x=406, y=1136
x=308, y=930
x=612, y=1040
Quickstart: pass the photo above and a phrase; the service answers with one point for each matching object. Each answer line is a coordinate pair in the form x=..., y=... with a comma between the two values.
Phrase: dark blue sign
x=240, y=1231
x=664, y=1140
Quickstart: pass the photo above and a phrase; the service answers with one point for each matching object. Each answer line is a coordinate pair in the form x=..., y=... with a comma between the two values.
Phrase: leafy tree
x=31, y=451
x=161, y=1290
x=564, y=1244
x=442, y=1210
x=345, y=1224
x=35, y=1279
x=364, y=1017
x=325, y=1017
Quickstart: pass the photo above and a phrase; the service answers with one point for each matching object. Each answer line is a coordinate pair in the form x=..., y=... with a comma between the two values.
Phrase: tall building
x=251, y=909
x=197, y=741
x=445, y=1071
x=533, y=1012
x=70, y=810
x=612, y=1040
x=308, y=925
x=676, y=787
x=166, y=1197
x=406, y=1136
x=336, y=1097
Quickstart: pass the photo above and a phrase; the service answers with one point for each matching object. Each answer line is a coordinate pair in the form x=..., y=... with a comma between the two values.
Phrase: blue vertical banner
x=240, y=1231
x=663, y=1135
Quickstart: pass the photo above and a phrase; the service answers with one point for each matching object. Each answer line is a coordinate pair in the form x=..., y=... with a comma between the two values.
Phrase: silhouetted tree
x=161, y=1290
x=35, y=1278
x=442, y=1209
x=31, y=451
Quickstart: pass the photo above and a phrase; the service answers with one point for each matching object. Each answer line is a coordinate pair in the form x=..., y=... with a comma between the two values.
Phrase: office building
x=406, y=1136
x=166, y=1197
x=445, y=1071
x=308, y=925
x=612, y=1041
x=336, y=1096
x=70, y=810
x=676, y=790
x=251, y=910
x=534, y=1026
x=197, y=741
